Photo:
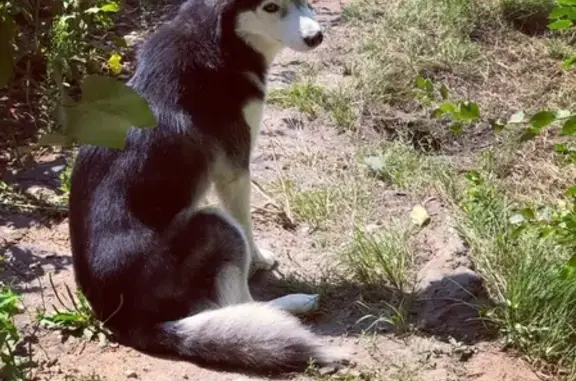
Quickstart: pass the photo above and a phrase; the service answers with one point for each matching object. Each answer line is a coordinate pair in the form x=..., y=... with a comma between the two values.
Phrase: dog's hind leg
x=233, y=187
x=223, y=253
x=232, y=278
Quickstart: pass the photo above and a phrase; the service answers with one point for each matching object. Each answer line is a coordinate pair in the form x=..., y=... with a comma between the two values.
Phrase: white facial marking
x=276, y=24
x=309, y=27
x=252, y=112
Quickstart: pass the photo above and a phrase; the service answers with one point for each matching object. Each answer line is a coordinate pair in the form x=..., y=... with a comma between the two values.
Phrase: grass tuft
x=381, y=257
x=536, y=309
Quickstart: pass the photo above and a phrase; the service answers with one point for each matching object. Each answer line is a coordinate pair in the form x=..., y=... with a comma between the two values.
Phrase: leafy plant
x=460, y=113
x=107, y=108
x=77, y=319
x=563, y=17
x=9, y=336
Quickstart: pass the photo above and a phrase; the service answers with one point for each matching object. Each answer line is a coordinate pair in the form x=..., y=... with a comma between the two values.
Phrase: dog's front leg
x=234, y=191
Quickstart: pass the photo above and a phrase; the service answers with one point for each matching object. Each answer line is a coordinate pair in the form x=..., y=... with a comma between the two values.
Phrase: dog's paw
x=297, y=303
x=264, y=260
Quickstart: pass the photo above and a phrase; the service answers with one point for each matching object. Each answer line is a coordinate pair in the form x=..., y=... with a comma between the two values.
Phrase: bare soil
x=449, y=344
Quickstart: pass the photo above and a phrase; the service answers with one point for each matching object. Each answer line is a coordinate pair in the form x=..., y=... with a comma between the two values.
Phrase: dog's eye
x=271, y=8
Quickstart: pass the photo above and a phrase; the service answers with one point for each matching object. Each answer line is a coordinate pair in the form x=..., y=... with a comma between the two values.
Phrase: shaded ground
x=450, y=342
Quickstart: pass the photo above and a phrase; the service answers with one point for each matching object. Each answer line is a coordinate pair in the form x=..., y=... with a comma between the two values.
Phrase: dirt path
x=310, y=155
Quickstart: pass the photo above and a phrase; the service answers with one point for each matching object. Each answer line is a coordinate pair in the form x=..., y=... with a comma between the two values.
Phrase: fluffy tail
x=252, y=336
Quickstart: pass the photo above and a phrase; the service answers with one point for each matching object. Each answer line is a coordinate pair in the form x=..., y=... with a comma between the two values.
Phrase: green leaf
x=444, y=108
x=115, y=63
x=569, y=62
x=561, y=148
x=542, y=119
x=444, y=92
x=560, y=24
x=437, y=113
x=107, y=111
x=457, y=128
x=517, y=117
x=529, y=134
x=469, y=110
x=569, y=127
x=424, y=84
x=567, y=272
x=110, y=7
x=571, y=192
x=572, y=262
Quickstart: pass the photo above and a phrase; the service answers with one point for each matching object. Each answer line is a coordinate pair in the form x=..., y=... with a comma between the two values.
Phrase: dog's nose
x=315, y=40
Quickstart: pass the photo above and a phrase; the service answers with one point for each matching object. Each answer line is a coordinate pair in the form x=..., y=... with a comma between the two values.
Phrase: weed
x=65, y=177
x=312, y=99
x=314, y=206
x=402, y=166
x=525, y=274
x=381, y=257
x=77, y=320
x=305, y=96
x=9, y=336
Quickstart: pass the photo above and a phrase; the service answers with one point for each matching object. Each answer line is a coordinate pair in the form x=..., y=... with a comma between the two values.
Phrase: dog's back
x=148, y=261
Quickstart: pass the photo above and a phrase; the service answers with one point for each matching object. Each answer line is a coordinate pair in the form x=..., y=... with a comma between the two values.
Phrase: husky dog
x=166, y=276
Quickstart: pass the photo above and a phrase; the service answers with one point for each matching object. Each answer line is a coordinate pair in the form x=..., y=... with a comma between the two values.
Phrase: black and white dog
x=166, y=276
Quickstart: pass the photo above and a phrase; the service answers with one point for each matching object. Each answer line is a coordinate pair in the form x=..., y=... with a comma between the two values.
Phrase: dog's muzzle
x=315, y=40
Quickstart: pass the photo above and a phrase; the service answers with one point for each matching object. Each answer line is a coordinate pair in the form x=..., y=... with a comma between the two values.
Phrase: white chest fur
x=252, y=112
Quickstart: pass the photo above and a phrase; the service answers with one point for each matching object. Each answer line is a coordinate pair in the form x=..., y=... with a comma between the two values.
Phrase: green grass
x=451, y=40
x=75, y=318
x=312, y=99
x=403, y=167
x=382, y=257
x=9, y=335
x=525, y=274
x=315, y=206
x=411, y=35
x=306, y=96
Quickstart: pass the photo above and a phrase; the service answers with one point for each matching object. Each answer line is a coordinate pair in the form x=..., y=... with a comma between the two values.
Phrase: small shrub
x=9, y=336
x=381, y=257
x=75, y=320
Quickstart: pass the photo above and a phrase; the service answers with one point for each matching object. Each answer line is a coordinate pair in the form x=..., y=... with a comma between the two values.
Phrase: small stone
x=327, y=371
x=420, y=216
x=131, y=374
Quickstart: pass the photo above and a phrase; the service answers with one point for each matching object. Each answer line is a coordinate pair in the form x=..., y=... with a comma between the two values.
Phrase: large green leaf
x=560, y=24
x=569, y=127
x=107, y=111
x=542, y=119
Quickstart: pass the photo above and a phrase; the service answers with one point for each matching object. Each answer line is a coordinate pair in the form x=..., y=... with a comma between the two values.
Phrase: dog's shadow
x=447, y=308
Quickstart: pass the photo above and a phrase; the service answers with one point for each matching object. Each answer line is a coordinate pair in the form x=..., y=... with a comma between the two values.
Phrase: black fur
x=123, y=202
x=138, y=258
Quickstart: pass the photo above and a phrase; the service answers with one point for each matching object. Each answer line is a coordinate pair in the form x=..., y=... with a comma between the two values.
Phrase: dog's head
x=280, y=23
